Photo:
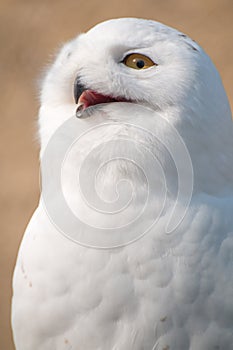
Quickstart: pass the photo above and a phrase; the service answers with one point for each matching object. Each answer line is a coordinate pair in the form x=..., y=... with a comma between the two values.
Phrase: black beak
x=78, y=89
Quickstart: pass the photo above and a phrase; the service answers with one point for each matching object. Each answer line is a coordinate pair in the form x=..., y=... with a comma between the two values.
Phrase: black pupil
x=140, y=63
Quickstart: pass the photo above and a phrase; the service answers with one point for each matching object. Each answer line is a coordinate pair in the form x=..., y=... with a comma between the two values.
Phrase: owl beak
x=85, y=98
x=78, y=89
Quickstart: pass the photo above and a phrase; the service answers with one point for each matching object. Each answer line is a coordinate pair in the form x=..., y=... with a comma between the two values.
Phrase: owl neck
x=175, y=145
x=209, y=141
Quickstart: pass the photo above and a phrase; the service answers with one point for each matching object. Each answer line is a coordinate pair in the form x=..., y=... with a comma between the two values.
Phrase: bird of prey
x=131, y=246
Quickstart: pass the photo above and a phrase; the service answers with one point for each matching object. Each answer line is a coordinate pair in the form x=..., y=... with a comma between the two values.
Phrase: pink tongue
x=91, y=98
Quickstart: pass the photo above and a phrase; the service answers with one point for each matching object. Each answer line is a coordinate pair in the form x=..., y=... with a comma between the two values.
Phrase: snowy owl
x=131, y=246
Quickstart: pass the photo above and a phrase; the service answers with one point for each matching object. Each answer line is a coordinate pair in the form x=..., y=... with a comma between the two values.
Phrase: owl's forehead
x=129, y=30
x=130, y=25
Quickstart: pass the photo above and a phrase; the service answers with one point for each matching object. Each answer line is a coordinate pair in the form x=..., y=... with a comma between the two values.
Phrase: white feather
x=115, y=277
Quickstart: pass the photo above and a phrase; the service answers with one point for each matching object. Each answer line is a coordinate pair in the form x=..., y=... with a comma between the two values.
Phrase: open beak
x=85, y=98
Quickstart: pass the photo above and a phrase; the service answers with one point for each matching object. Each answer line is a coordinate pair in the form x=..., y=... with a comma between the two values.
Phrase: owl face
x=131, y=60
x=139, y=62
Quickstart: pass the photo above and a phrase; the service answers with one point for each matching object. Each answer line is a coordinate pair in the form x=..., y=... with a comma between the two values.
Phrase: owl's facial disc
x=85, y=98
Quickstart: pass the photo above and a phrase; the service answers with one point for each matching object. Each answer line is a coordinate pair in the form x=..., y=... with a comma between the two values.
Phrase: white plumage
x=131, y=246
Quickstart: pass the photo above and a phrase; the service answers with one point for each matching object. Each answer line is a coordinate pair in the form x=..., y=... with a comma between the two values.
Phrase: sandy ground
x=30, y=33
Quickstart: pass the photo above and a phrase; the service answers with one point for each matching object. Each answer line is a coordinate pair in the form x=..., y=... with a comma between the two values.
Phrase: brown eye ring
x=138, y=61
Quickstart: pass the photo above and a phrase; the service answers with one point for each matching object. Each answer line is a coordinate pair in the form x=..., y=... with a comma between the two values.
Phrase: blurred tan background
x=30, y=32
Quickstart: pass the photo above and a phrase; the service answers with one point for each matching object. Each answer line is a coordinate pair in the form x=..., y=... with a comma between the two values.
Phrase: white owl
x=131, y=246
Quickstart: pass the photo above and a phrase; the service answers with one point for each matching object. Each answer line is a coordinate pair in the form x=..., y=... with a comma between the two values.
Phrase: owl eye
x=138, y=61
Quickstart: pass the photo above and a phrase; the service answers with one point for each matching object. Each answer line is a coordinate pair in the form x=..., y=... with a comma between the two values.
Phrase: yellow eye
x=138, y=61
